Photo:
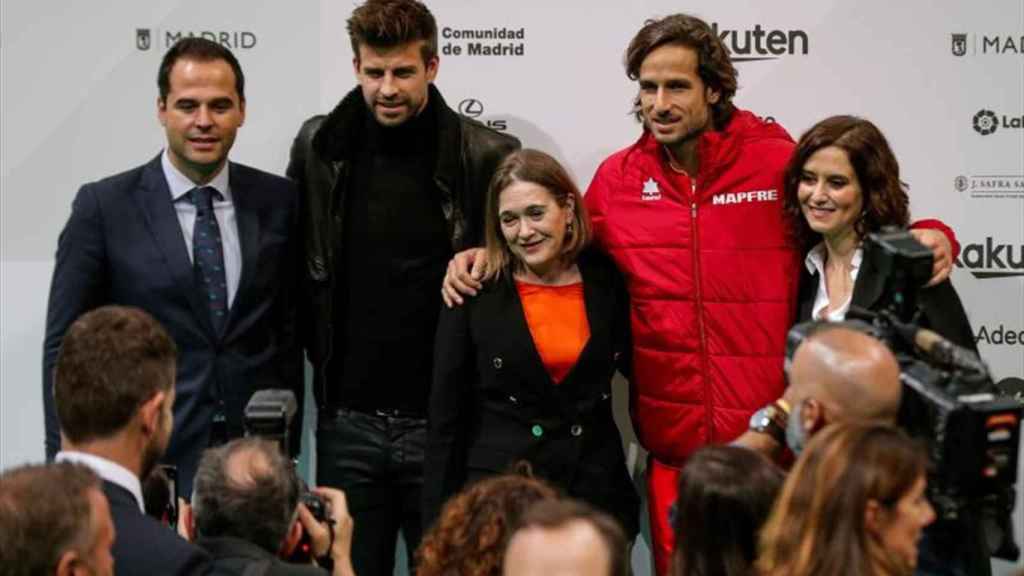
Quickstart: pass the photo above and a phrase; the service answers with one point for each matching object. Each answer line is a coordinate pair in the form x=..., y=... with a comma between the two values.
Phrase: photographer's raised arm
x=332, y=538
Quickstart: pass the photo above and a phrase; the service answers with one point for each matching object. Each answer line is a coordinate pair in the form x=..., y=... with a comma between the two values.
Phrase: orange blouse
x=557, y=318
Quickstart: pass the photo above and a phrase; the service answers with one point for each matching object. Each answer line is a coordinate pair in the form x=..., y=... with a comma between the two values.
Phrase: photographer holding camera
x=247, y=512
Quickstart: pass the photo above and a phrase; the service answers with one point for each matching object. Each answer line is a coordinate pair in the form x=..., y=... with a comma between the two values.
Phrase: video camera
x=269, y=415
x=970, y=426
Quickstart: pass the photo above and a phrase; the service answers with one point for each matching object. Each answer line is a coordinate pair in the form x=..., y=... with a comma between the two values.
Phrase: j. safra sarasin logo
x=987, y=122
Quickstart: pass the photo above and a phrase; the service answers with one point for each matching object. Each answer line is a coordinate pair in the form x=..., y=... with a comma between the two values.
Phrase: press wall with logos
x=944, y=81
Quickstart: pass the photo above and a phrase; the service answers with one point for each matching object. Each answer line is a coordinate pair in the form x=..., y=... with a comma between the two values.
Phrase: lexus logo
x=471, y=107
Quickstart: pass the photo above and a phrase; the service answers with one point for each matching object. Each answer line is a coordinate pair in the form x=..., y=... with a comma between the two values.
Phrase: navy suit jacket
x=123, y=244
x=144, y=546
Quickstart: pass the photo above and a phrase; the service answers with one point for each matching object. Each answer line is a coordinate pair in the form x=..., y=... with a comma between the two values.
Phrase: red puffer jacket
x=712, y=279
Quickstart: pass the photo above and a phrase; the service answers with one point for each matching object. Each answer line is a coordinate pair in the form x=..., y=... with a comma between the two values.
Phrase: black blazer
x=232, y=556
x=144, y=546
x=942, y=310
x=493, y=403
x=123, y=245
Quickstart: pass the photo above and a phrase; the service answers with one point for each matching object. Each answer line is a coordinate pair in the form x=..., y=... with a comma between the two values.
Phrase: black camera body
x=970, y=427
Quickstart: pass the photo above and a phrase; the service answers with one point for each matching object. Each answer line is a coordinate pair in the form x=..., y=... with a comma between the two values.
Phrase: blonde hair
x=534, y=167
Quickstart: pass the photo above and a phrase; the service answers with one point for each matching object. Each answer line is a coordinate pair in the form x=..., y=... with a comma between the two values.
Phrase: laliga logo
x=985, y=122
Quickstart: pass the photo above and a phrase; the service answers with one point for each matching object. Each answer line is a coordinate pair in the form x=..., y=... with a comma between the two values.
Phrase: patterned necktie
x=208, y=256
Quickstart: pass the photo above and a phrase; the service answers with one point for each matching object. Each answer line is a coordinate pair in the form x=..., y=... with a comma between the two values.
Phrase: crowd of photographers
x=853, y=502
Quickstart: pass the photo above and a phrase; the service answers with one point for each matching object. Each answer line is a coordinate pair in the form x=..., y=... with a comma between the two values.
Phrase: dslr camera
x=269, y=415
x=970, y=426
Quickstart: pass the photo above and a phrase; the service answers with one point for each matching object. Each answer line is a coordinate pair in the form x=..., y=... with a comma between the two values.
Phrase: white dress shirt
x=107, y=470
x=224, y=212
x=815, y=262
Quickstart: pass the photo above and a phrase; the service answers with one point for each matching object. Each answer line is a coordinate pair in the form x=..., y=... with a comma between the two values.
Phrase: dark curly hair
x=713, y=63
x=469, y=537
x=391, y=23
x=885, y=196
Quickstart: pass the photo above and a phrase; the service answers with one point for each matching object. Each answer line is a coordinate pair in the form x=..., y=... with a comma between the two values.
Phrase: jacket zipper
x=700, y=310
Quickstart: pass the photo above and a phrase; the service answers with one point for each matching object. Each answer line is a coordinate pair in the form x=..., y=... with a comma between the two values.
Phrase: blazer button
x=513, y=399
x=537, y=431
x=497, y=362
x=576, y=430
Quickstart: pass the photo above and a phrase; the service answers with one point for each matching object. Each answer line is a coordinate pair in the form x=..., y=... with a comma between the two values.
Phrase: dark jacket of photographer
x=236, y=557
x=322, y=163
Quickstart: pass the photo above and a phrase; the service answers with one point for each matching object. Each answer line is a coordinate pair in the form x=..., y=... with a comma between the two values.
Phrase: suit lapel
x=522, y=340
x=599, y=312
x=535, y=374
x=868, y=287
x=154, y=200
x=247, y=217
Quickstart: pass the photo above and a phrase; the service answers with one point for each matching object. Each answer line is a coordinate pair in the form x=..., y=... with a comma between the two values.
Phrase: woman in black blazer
x=509, y=385
x=842, y=184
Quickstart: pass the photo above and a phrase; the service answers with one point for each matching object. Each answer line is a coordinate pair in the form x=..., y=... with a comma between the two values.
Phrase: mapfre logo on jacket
x=744, y=197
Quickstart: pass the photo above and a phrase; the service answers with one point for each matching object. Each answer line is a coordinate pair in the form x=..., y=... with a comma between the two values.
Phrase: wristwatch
x=771, y=420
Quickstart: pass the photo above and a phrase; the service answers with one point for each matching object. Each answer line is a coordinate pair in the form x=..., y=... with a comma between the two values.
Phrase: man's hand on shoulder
x=463, y=276
x=942, y=252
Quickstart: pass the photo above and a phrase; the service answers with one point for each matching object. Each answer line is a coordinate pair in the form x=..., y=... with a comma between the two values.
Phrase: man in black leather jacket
x=392, y=184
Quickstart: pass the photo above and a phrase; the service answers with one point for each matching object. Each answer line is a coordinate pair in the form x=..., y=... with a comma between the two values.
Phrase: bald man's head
x=246, y=489
x=841, y=374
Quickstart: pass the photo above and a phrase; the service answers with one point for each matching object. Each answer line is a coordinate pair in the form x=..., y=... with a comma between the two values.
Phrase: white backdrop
x=944, y=81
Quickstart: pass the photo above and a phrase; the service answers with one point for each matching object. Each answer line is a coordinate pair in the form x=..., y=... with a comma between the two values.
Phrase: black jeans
x=377, y=460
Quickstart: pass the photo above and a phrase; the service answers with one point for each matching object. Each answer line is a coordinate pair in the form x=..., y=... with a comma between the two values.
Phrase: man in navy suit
x=113, y=390
x=202, y=244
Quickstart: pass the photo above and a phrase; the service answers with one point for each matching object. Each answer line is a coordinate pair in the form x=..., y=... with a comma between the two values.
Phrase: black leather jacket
x=467, y=155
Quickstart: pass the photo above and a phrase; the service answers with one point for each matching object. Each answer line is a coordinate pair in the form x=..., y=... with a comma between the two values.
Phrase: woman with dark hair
x=725, y=495
x=469, y=537
x=523, y=371
x=843, y=183
x=854, y=504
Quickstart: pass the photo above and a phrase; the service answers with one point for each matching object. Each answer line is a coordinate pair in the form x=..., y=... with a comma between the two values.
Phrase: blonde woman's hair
x=534, y=167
